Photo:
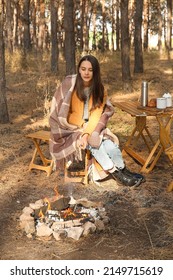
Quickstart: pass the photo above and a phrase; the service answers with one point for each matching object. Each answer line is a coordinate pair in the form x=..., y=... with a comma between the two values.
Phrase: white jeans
x=108, y=155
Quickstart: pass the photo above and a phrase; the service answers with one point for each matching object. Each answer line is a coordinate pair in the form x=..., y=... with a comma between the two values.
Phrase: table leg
x=159, y=146
x=147, y=167
x=165, y=122
x=137, y=132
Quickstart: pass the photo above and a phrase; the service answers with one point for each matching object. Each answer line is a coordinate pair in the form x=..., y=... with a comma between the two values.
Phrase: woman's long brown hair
x=97, y=88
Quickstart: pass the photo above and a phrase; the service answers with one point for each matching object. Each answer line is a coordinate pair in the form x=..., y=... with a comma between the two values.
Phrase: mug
x=161, y=103
x=168, y=99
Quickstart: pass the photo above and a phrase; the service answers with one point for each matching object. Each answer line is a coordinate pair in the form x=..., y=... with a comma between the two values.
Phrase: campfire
x=63, y=216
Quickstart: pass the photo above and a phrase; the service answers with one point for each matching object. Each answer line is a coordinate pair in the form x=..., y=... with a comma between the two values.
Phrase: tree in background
x=94, y=20
x=69, y=47
x=9, y=26
x=54, y=40
x=41, y=26
x=125, y=46
x=160, y=28
x=138, y=64
x=169, y=25
x=145, y=23
x=49, y=28
x=26, y=24
x=118, y=25
x=4, y=117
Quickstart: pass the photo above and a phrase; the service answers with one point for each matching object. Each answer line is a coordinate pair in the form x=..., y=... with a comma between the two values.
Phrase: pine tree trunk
x=54, y=42
x=86, y=27
x=41, y=26
x=4, y=117
x=138, y=67
x=169, y=24
x=160, y=29
x=94, y=43
x=15, y=24
x=8, y=24
x=34, y=24
x=125, y=46
x=103, y=26
x=117, y=26
x=146, y=24
x=69, y=37
x=26, y=23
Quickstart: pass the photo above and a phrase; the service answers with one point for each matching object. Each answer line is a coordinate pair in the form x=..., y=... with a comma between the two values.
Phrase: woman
x=79, y=114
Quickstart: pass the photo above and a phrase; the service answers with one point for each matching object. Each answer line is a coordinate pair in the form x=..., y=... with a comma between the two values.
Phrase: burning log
x=60, y=204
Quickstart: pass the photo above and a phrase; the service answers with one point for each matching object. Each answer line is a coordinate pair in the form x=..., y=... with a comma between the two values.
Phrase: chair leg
x=77, y=176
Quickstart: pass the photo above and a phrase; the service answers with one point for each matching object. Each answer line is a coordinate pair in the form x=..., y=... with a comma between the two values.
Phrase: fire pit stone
x=43, y=230
x=63, y=217
x=89, y=227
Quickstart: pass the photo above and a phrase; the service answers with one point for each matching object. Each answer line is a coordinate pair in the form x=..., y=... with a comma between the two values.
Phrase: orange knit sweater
x=76, y=113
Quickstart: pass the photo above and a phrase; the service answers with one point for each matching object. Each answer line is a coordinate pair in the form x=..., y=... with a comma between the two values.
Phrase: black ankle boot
x=133, y=174
x=125, y=179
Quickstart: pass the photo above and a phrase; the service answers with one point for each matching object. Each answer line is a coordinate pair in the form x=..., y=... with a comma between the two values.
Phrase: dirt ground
x=141, y=219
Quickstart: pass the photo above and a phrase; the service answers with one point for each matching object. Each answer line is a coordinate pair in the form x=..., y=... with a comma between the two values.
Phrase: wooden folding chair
x=45, y=164
x=81, y=175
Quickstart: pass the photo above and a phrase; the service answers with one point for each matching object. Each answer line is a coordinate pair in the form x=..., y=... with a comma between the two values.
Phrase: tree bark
x=112, y=24
x=41, y=25
x=4, y=117
x=117, y=26
x=94, y=44
x=169, y=24
x=125, y=46
x=26, y=23
x=9, y=27
x=103, y=26
x=86, y=26
x=160, y=29
x=69, y=50
x=138, y=67
x=146, y=24
x=15, y=23
x=34, y=24
x=54, y=41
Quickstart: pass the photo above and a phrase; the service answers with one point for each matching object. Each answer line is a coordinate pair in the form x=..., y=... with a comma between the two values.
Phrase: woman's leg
x=102, y=157
x=114, y=152
x=109, y=156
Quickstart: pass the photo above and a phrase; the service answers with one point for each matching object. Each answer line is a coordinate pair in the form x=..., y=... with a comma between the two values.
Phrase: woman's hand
x=94, y=140
x=83, y=142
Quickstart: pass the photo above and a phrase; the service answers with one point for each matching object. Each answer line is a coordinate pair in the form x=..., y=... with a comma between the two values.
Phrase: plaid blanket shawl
x=63, y=139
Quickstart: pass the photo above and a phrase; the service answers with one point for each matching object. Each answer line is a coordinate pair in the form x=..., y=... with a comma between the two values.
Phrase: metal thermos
x=144, y=94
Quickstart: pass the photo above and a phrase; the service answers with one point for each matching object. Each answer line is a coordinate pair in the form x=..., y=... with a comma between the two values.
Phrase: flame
x=52, y=199
x=41, y=215
x=68, y=213
x=56, y=192
x=47, y=201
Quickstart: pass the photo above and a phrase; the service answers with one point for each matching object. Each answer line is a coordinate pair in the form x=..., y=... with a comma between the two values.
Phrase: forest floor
x=141, y=219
